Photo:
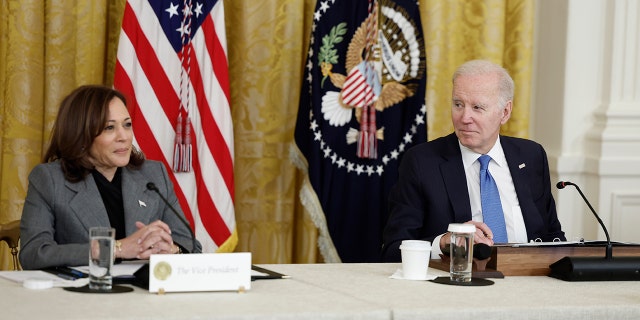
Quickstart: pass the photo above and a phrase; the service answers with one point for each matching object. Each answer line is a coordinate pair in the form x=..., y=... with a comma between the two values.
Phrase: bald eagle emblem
x=383, y=54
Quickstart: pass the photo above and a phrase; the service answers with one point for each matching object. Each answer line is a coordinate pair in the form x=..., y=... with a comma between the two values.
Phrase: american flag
x=172, y=66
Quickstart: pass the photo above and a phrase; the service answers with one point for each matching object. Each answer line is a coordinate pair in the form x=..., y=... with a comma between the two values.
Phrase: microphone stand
x=151, y=186
x=142, y=275
x=609, y=248
x=595, y=268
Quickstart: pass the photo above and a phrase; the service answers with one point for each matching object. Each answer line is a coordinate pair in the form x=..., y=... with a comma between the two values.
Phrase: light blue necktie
x=490, y=199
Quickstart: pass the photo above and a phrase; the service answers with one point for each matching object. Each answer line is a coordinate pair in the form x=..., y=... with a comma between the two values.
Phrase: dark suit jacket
x=57, y=214
x=431, y=192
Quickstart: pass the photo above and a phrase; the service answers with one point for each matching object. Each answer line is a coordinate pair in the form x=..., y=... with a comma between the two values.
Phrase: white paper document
x=21, y=276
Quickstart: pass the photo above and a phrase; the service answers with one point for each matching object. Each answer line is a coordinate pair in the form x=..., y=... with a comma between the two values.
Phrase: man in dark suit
x=439, y=181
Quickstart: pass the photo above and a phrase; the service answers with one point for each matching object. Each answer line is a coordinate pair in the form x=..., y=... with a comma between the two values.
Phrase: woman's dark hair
x=81, y=118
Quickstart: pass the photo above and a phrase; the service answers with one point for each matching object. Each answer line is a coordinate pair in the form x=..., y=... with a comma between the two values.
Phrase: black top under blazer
x=57, y=214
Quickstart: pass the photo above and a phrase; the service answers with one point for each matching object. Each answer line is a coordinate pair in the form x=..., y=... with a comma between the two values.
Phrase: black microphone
x=141, y=276
x=151, y=186
x=609, y=250
x=595, y=268
x=481, y=251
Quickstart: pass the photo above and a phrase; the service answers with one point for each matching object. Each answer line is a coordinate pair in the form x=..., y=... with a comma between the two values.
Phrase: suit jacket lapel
x=517, y=167
x=87, y=203
x=137, y=200
x=455, y=180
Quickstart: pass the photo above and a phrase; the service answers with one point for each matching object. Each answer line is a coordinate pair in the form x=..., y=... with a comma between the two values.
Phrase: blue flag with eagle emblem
x=362, y=105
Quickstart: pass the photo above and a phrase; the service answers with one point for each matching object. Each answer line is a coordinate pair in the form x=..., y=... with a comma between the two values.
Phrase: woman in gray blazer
x=92, y=175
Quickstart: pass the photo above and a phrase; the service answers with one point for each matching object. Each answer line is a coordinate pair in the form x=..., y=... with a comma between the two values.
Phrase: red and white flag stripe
x=148, y=71
x=357, y=92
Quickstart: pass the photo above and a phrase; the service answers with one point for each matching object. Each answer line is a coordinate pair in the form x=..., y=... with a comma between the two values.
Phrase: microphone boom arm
x=151, y=186
x=562, y=184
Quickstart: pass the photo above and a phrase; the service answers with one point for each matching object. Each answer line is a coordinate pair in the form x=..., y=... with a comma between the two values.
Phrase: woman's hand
x=149, y=239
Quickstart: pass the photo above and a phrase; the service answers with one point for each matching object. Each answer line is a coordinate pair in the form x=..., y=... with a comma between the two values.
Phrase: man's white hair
x=481, y=67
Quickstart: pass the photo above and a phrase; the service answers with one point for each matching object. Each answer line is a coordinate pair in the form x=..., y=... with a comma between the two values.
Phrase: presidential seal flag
x=172, y=66
x=362, y=105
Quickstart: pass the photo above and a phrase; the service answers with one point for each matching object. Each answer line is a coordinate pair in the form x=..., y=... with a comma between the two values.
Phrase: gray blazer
x=57, y=214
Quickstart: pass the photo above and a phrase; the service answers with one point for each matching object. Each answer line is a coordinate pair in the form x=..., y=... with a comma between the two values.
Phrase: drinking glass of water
x=101, y=257
x=461, y=251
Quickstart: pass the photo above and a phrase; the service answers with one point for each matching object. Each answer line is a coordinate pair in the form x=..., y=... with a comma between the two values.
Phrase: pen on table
x=66, y=276
x=71, y=272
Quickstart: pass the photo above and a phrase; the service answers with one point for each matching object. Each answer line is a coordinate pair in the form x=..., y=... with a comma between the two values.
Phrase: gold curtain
x=47, y=48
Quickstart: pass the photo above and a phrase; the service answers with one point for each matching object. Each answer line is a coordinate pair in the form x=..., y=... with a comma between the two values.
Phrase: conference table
x=340, y=291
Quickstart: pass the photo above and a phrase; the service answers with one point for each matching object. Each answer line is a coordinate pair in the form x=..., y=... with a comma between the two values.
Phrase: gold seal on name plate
x=162, y=270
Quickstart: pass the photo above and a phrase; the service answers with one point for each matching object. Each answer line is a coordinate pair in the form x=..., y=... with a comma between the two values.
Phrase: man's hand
x=483, y=234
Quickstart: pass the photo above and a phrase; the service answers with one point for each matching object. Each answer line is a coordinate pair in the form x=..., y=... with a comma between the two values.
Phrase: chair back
x=10, y=233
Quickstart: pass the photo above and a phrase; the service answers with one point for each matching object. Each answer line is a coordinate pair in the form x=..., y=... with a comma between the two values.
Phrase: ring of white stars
x=340, y=162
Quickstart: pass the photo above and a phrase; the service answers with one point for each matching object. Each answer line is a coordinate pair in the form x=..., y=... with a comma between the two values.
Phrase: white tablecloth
x=340, y=291
x=514, y=298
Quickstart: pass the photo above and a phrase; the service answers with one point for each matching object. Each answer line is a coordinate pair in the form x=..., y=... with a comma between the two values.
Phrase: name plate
x=200, y=272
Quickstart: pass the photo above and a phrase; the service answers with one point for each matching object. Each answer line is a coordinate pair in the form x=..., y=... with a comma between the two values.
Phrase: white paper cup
x=415, y=259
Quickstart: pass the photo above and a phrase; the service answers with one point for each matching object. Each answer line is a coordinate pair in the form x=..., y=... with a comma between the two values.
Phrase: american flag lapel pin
x=141, y=203
x=522, y=165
